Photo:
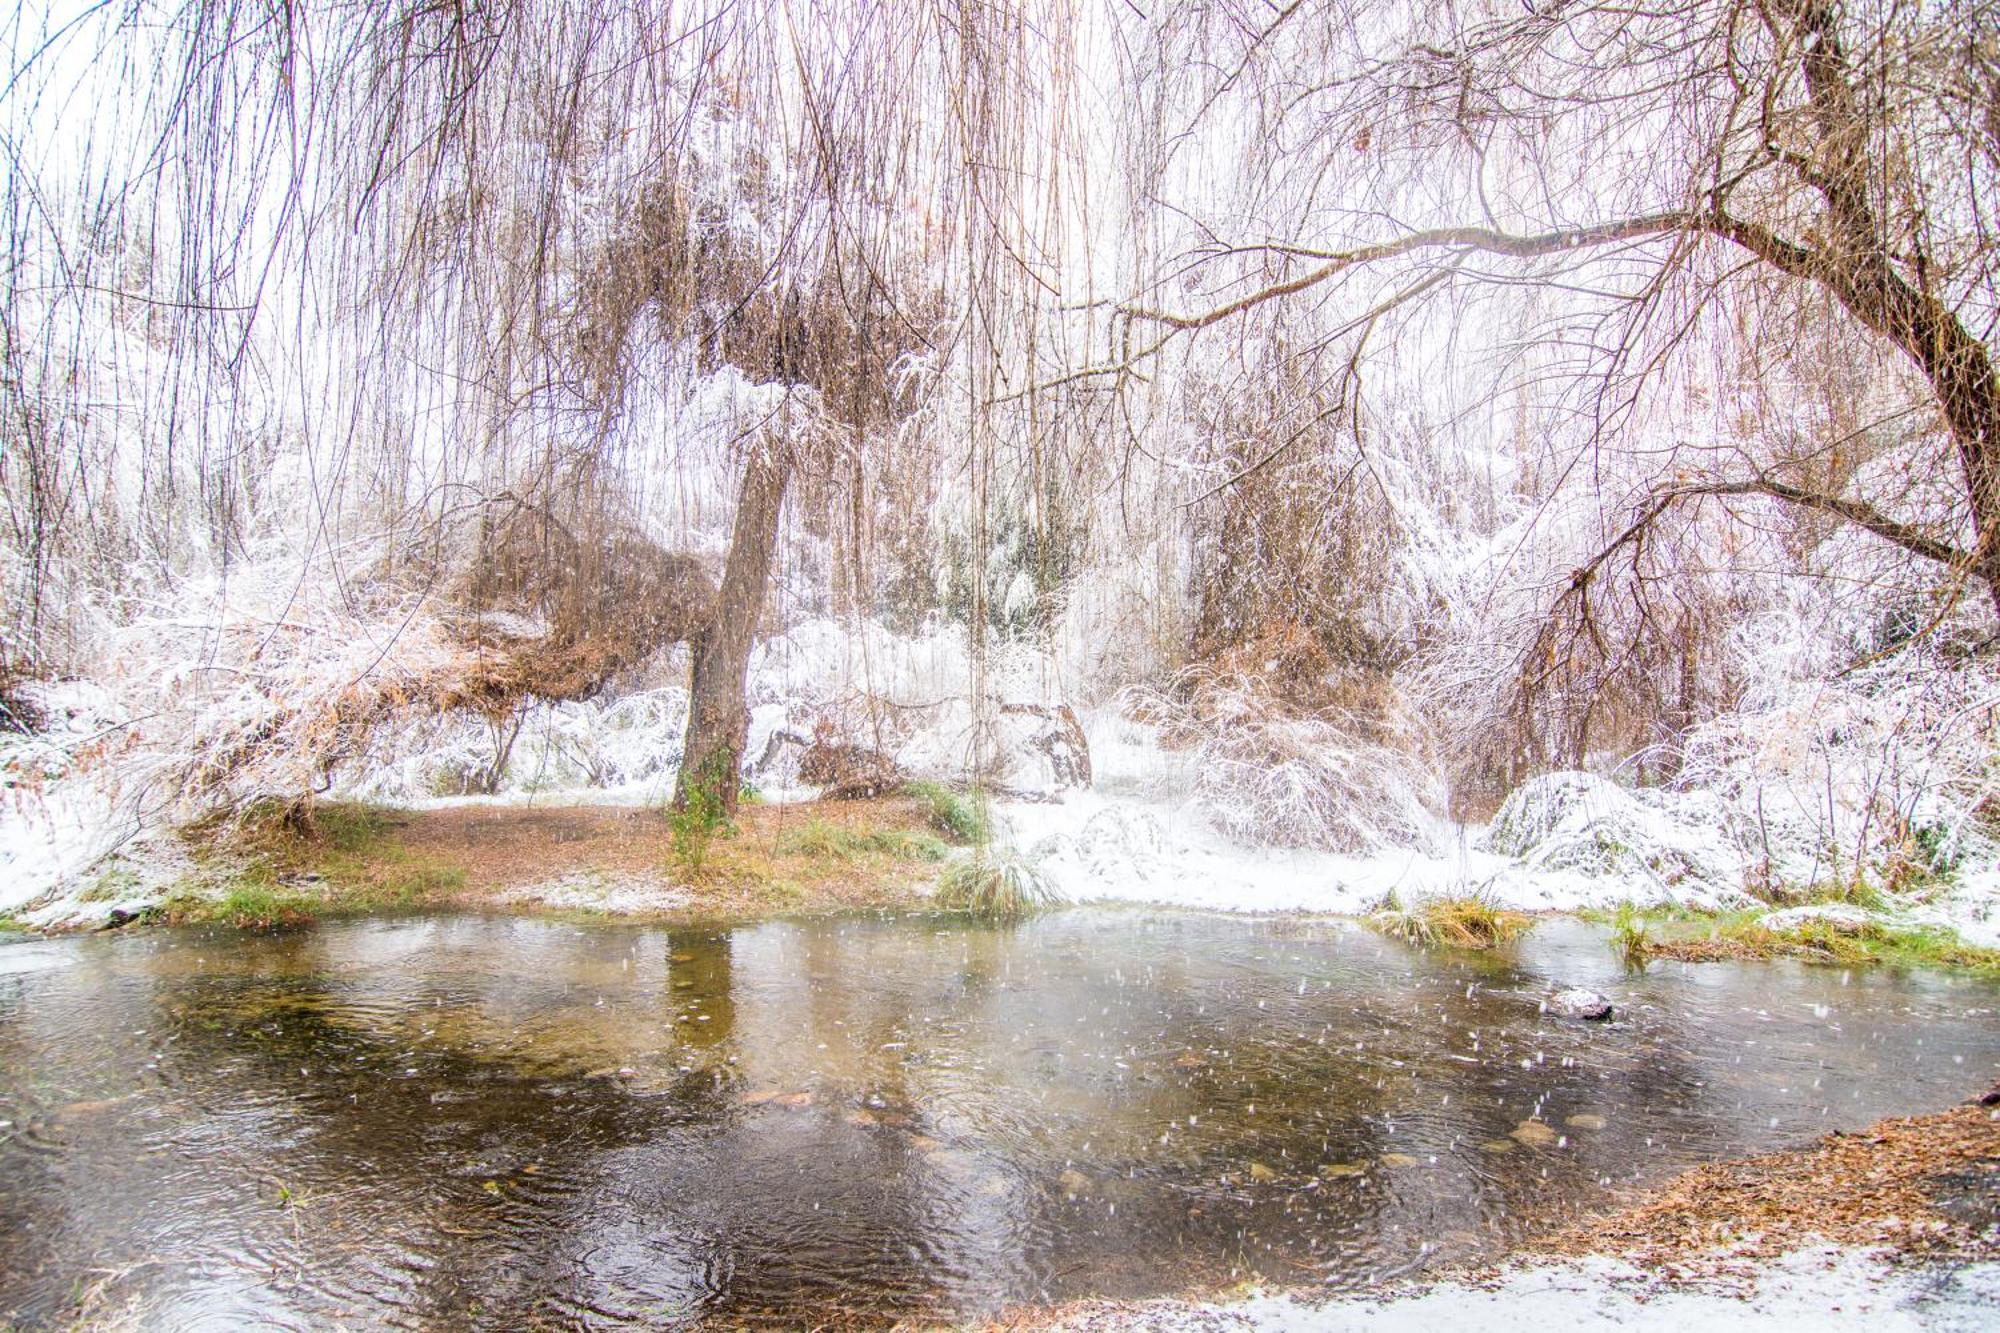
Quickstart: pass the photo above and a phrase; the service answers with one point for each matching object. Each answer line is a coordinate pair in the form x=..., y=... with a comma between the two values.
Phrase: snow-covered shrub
x=1117, y=845
x=1887, y=772
x=1663, y=844
x=1284, y=752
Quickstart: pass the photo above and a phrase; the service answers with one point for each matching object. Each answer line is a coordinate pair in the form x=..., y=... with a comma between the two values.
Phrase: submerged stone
x=1534, y=1133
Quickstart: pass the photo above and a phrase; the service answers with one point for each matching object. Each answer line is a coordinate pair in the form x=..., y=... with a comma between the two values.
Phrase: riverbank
x=277, y=866
x=639, y=863
x=1895, y=1227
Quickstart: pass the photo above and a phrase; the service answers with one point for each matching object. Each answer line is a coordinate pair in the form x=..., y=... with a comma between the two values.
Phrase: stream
x=496, y=1121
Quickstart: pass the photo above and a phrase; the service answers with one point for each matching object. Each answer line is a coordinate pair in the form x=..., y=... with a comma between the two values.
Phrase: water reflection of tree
x=331, y=1147
x=700, y=969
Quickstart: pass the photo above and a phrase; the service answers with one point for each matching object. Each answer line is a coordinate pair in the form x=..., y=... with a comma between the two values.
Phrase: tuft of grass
x=819, y=839
x=1630, y=937
x=998, y=888
x=1468, y=921
x=960, y=817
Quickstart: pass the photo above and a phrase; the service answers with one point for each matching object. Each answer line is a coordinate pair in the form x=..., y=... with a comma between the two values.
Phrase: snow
x=1672, y=846
x=1563, y=842
x=1098, y=848
x=1973, y=910
x=1808, y=1290
x=1143, y=834
x=614, y=895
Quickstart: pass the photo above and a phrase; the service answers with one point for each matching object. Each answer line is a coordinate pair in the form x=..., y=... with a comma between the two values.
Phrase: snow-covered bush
x=1671, y=845
x=1282, y=752
x=1887, y=771
x=1116, y=846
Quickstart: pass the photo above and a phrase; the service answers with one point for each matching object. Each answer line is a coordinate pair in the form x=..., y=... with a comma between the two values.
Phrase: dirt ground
x=820, y=856
x=505, y=846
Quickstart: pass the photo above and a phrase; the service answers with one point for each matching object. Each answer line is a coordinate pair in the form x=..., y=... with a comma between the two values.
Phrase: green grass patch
x=1631, y=937
x=111, y=884
x=257, y=902
x=997, y=888
x=1642, y=934
x=244, y=906
x=1466, y=921
x=818, y=839
x=1841, y=888
x=277, y=863
x=962, y=817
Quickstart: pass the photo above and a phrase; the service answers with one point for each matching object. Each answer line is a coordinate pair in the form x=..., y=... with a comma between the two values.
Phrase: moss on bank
x=1641, y=935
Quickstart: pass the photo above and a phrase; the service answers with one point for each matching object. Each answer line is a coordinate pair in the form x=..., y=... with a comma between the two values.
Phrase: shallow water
x=496, y=1121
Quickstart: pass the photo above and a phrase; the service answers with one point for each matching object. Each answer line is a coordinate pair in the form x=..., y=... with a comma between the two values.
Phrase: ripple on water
x=409, y=1120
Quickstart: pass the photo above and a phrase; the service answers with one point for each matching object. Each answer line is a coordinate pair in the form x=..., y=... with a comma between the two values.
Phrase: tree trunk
x=718, y=717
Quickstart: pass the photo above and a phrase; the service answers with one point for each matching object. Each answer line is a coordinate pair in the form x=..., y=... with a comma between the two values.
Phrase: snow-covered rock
x=1576, y=1002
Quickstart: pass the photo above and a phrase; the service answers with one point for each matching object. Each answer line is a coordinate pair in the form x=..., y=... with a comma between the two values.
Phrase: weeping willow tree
x=1493, y=352
x=465, y=274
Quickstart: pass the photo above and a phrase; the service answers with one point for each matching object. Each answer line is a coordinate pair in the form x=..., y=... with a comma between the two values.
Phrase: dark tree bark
x=718, y=717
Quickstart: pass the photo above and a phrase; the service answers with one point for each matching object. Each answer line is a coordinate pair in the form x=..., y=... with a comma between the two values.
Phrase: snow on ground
x=80, y=839
x=1811, y=1290
x=617, y=895
x=1097, y=847
x=1094, y=846
x=1142, y=834
x=1563, y=842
